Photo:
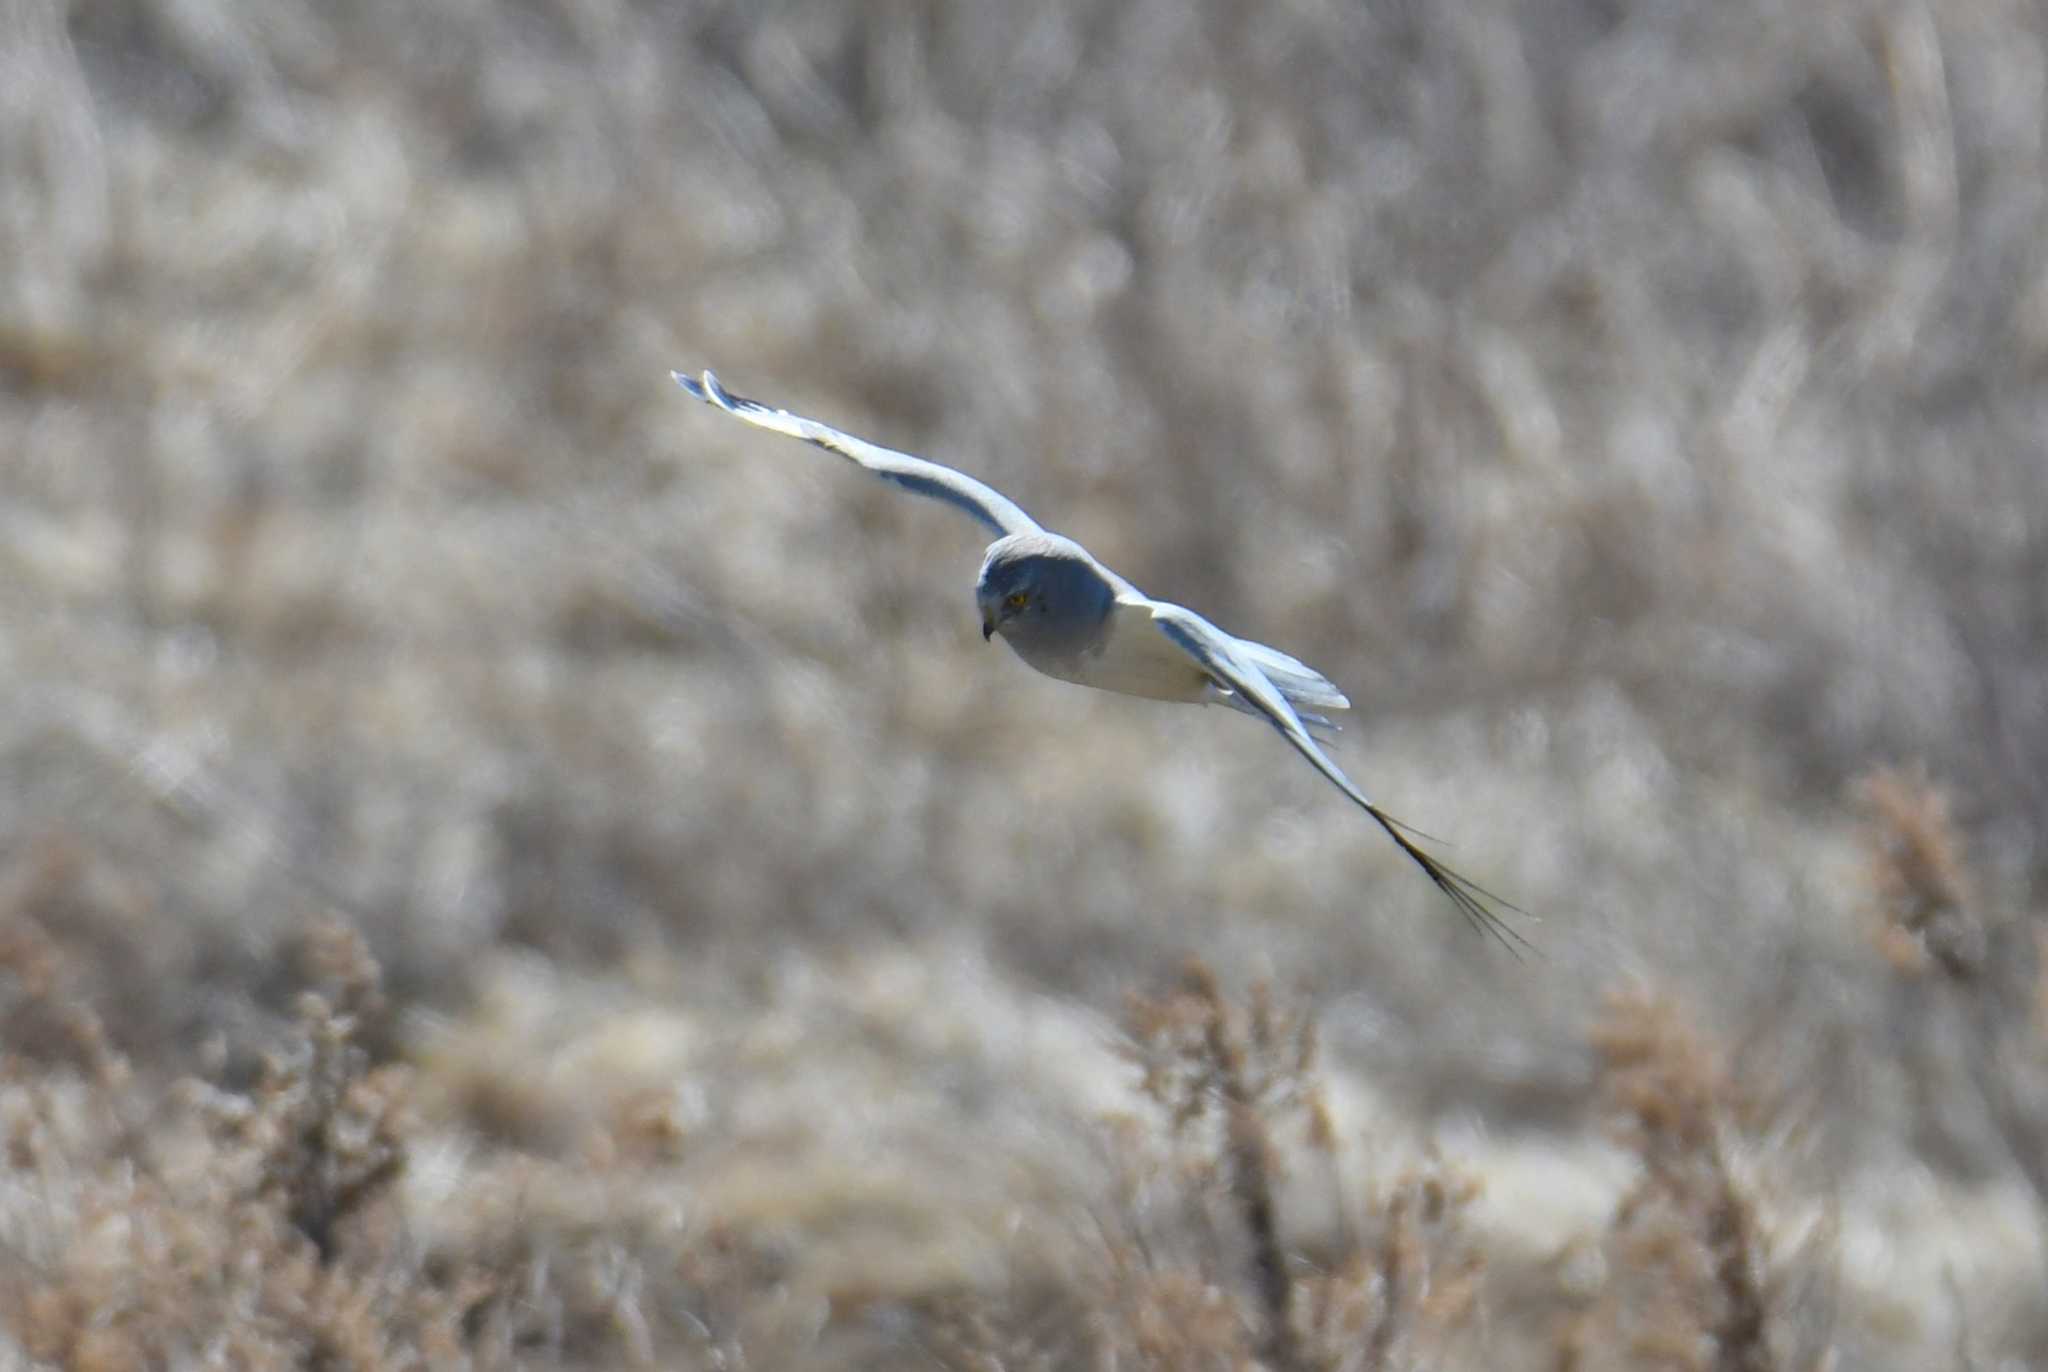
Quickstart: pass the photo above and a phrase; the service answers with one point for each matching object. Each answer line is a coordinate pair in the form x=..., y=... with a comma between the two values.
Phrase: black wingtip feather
x=1474, y=901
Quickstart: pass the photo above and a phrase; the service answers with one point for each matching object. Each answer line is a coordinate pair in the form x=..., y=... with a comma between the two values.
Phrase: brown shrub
x=1688, y=1231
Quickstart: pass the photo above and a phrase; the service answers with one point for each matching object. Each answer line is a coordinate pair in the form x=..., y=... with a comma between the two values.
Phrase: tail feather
x=1306, y=689
x=1299, y=682
x=1319, y=726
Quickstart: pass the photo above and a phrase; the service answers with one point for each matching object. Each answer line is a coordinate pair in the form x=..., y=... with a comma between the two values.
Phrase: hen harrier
x=1071, y=617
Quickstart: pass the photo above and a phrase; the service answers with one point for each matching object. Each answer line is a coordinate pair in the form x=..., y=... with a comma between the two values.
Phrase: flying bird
x=1071, y=617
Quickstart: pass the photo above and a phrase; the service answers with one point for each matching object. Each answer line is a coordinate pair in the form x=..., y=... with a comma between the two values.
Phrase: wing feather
x=990, y=507
x=1222, y=656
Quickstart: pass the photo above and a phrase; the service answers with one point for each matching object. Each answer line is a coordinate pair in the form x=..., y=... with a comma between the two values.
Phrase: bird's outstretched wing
x=1220, y=656
x=994, y=510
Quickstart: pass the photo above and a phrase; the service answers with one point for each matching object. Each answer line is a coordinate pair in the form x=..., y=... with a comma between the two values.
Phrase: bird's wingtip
x=708, y=388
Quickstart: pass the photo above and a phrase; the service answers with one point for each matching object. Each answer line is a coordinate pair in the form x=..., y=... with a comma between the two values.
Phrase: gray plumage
x=1069, y=616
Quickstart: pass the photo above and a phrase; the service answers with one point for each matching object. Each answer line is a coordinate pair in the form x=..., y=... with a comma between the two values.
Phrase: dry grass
x=1969, y=989
x=1691, y=1284
x=1189, y=1264
x=1636, y=408
x=166, y=1224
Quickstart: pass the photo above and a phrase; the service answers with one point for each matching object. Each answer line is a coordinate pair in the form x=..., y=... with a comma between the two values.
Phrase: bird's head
x=1043, y=594
x=1011, y=584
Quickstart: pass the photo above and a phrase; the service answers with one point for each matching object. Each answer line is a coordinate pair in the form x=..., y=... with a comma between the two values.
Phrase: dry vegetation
x=501, y=867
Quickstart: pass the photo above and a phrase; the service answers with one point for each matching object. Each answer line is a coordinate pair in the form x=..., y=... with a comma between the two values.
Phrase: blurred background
x=1638, y=410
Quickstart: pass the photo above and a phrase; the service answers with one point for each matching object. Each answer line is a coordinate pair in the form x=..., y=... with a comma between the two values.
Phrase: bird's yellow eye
x=1016, y=600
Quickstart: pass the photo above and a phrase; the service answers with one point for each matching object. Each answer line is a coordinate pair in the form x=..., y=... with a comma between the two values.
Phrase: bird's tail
x=1307, y=690
x=1299, y=682
x=1319, y=726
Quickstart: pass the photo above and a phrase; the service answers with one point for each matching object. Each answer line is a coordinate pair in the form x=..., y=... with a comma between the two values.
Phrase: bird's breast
x=1126, y=654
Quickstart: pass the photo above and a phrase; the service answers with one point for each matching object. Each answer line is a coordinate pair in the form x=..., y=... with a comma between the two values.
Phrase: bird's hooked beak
x=994, y=614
